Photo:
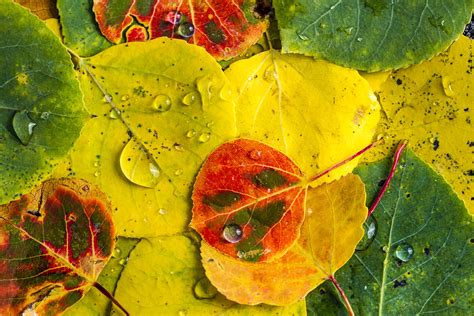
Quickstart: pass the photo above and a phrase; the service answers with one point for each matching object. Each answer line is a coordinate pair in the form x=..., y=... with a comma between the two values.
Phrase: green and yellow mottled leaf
x=41, y=109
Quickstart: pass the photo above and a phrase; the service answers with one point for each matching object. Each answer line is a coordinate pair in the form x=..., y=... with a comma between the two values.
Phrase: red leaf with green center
x=54, y=242
x=249, y=201
x=224, y=28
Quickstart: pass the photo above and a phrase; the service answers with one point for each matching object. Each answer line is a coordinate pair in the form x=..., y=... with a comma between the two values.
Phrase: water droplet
x=359, y=39
x=97, y=173
x=370, y=227
x=162, y=211
x=448, y=89
x=404, y=252
x=45, y=115
x=226, y=92
x=255, y=154
x=204, y=137
x=125, y=97
x=114, y=114
x=190, y=133
x=203, y=289
x=438, y=22
x=190, y=98
x=96, y=164
x=348, y=30
x=107, y=98
x=183, y=312
x=173, y=17
x=302, y=36
x=185, y=30
x=23, y=126
x=210, y=124
x=232, y=233
x=178, y=147
x=123, y=261
x=162, y=103
x=323, y=25
x=138, y=166
x=269, y=74
x=178, y=172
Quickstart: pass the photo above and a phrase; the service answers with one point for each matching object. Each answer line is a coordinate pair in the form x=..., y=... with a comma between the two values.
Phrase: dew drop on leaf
x=185, y=30
x=125, y=97
x=404, y=252
x=190, y=133
x=370, y=228
x=448, y=90
x=190, y=98
x=232, y=233
x=23, y=126
x=302, y=36
x=173, y=17
x=255, y=154
x=162, y=103
x=269, y=74
x=114, y=114
x=162, y=211
x=45, y=115
x=138, y=166
x=178, y=172
x=203, y=289
x=204, y=137
x=226, y=92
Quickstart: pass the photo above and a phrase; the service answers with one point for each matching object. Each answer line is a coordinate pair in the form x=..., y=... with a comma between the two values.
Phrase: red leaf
x=53, y=244
x=224, y=28
x=249, y=201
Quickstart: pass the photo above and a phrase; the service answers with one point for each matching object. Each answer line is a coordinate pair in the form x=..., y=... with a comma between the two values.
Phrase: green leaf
x=420, y=260
x=370, y=35
x=80, y=30
x=41, y=109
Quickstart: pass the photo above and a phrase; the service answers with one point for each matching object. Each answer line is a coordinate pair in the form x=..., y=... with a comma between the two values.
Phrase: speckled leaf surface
x=225, y=28
x=164, y=276
x=54, y=242
x=156, y=120
x=420, y=258
x=41, y=109
x=248, y=201
x=329, y=235
x=371, y=35
x=313, y=111
x=432, y=105
x=79, y=28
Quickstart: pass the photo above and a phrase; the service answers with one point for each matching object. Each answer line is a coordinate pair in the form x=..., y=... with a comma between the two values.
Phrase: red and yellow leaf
x=248, y=201
x=225, y=28
x=329, y=234
x=53, y=244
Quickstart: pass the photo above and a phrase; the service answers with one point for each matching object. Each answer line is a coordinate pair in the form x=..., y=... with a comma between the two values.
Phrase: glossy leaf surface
x=313, y=111
x=329, y=235
x=371, y=35
x=248, y=201
x=432, y=105
x=41, y=109
x=421, y=253
x=224, y=28
x=53, y=243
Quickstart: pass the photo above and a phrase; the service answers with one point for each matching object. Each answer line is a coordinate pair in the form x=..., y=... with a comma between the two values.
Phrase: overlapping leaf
x=248, y=201
x=371, y=35
x=313, y=111
x=431, y=104
x=331, y=230
x=44, y=9
x=53, y=244
x=41, y=109
x=421, y=250
x=225, y=28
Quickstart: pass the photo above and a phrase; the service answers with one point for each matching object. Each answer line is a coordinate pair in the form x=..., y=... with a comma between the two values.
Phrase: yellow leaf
x=164, y=276
x=155, y=119
x=329, y=235
x=313, y=111
x=431, y=104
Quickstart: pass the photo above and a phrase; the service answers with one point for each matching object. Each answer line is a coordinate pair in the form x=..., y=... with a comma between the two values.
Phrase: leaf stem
x=343, y=295
x=110, y=297
x=348, y=159
x=396, y=159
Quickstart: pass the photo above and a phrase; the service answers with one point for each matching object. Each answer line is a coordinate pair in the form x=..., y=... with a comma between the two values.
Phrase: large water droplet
x=204, y=137
x=448, y=89
x=404, y=252
x=269, y=74
x=232, y=233
x=162, y=103
x=23, y=126
x=190, y=98
x=203, y=289
x=138, y=167
x=185, y=30
x=114, y=114
x=370, y=227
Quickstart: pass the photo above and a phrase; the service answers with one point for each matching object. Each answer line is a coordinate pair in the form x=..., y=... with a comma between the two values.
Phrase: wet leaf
x=432, y=105
x=41, y=109
x=225, y=28
x=329, y=235
x=54, y=243
x=164, y=276
x=248, y=201
x=44, y=9
x=371, y=35
x=79, y=28
x=144, y=157
x=422, y=252
x=311, y=110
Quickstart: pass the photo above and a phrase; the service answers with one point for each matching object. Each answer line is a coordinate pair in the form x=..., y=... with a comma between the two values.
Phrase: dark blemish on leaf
x=427, y=251
x=221, y=200
x=129, y=133
x=401, y=283
x=471, y=240
x=399, y=81
x=214, y=32
x=34, y=213
x=322, y=291
x=262, y=8
x=269, y=178
x=381, y=183
x=436, y=144
x=469, y=173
